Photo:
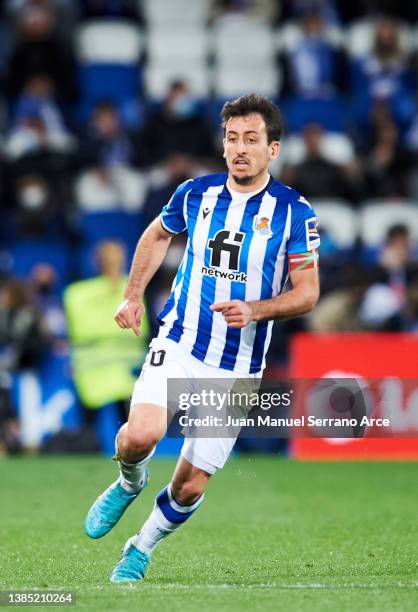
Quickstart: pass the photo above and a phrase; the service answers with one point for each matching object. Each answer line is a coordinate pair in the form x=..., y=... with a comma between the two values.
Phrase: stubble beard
x=249, y=179
x=243, y=180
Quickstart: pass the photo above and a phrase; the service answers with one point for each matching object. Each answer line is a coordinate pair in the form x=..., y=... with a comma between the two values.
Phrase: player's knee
x=139, y=443
x=187, y=493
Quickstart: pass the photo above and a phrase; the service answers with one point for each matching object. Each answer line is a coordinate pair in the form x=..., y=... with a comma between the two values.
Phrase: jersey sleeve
x=304, y=234
x=172, y=216
x=304, y=240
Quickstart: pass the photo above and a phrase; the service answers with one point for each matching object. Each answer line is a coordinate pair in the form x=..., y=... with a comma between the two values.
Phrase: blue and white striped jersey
x=238, y=246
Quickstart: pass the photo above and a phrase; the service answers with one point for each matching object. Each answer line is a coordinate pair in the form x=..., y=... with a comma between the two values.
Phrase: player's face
x=246, y=148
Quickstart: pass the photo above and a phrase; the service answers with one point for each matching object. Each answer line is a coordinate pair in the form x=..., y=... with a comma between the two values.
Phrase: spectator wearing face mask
x=38, y=124
x=40, y=211
x=106, y=143
x=107, y=154
x=176, y=128
x=388, y=302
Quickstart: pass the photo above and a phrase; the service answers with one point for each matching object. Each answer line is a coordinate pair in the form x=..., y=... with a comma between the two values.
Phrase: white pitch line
x=273, y=585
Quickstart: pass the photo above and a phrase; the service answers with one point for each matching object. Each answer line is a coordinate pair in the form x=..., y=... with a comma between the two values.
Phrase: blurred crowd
x=77, y=170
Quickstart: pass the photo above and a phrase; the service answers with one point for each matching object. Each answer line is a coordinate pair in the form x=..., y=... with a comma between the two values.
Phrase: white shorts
x=168, y=360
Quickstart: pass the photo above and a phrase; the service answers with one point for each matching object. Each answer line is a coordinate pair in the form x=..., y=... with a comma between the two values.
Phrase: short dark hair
x=106, y=105
x=253, y=103
x=397, y=229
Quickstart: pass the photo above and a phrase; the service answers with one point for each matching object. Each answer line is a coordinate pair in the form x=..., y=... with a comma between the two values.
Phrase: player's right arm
x=149, y=255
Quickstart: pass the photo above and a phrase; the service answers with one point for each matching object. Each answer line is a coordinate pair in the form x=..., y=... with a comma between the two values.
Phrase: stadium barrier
x=390, y=361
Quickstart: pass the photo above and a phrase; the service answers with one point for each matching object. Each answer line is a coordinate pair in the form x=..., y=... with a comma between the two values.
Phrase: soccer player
x=246, y=233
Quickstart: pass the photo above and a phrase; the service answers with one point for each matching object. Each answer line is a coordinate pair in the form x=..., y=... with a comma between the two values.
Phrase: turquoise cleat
x=132, y=566
x=108, y=508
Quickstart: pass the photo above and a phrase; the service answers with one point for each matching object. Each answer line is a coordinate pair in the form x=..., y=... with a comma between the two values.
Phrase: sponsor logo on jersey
x=312, y=235
x=261, y=226
x=239, y=277
x=229, y=243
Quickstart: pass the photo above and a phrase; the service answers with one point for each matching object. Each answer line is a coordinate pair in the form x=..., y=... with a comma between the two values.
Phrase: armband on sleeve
x=304, y=261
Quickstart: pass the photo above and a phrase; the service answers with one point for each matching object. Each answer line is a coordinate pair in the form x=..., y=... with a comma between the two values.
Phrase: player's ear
x=274, y=149
x=223, y=144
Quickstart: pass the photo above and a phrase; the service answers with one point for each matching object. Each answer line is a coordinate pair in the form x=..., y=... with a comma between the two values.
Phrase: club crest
x=261, y=225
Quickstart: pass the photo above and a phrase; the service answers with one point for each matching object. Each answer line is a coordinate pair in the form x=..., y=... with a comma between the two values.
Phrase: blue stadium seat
x=26, y=254
x=109, y=53
x=330, y=113
x=118, y=225
x=95, y=227
x=118, y=82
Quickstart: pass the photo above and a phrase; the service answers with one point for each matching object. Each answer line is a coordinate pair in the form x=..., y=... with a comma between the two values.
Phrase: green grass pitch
x=272, y=534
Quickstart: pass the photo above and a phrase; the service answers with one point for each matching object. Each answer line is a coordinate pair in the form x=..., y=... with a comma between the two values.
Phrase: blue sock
x=167, y=516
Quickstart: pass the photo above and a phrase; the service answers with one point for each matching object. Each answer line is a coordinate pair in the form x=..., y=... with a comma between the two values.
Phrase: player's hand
x=128, y=316
x=236, y=313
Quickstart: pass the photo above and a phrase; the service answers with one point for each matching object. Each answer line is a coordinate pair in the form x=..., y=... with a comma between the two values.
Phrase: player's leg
x=136, y=441
x=174, y=505
x=176, y=502
x=135, y=445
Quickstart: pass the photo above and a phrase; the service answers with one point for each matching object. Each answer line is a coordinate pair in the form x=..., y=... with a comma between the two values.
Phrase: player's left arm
x=299, y=300
x=302, y=253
